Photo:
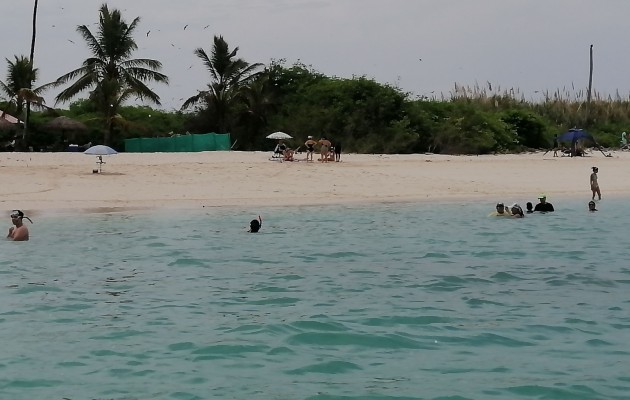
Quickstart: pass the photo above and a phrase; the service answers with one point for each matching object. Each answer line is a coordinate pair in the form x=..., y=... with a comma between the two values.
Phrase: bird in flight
x=148, y=33
x=70, y=41
x=185, y=26
x=206, y=27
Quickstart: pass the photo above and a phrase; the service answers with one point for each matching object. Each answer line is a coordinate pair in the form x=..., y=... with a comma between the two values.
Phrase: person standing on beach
x=338, y=151
x=595, y=184
x=19, y=232
x=310, y=148
x=555, y=145
x=324, y=149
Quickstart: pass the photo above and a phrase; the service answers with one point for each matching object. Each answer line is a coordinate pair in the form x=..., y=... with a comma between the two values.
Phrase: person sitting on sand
x=543, y=206
x=501, y=211
x=288, y=154
x=19, y=232
x=591, y=206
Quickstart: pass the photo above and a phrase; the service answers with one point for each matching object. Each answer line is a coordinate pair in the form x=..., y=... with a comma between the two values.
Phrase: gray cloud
x=422, y=46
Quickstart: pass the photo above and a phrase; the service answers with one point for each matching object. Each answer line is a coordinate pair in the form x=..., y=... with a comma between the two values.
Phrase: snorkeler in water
x=255, y=225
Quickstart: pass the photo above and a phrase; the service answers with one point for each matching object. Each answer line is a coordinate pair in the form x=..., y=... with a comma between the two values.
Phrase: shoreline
x=64, y=182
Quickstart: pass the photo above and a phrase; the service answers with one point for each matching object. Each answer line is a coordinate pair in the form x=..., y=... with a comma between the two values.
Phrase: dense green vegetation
x=249, y=100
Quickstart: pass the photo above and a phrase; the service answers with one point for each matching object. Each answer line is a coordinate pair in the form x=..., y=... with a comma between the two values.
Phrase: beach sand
x=39, y=182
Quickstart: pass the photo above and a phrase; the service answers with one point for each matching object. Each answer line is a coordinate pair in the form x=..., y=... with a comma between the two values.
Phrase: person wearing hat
x=310, y=148
x=595, y=184
x=501, y=211
x=19, y=232
x=542, y=205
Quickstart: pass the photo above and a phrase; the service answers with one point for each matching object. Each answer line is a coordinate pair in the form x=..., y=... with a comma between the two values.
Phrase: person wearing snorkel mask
x=19, y=232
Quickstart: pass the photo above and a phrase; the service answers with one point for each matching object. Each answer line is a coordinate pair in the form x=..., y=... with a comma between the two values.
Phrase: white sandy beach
x=40, y=182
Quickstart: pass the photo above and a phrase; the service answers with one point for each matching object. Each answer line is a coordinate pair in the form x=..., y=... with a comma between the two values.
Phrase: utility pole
x=590, y=87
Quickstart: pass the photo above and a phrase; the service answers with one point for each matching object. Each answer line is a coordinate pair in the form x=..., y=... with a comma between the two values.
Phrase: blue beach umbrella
x=573, y=135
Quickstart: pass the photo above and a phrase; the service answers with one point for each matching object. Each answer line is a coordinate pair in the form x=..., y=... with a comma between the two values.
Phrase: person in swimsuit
x=310, y=148
x=595, y=184
x=19, y=232
x=324, y=149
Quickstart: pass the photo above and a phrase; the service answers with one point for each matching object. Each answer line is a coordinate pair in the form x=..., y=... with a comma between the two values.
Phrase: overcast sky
x=422, y=46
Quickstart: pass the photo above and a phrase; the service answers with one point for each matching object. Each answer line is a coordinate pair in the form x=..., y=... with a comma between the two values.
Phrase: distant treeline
x=364, y=115
x=251, y=100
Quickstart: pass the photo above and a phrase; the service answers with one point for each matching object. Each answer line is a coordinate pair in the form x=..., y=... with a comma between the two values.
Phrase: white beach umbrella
x=279, y=136
x=100, y=150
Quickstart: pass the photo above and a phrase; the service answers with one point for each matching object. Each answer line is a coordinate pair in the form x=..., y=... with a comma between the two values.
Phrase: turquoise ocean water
x=390, y=301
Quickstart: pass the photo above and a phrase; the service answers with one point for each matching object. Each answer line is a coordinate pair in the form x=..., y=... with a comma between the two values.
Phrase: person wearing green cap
x=542, y=205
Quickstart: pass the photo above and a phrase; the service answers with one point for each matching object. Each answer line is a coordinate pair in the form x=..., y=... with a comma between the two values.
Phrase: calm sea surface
x=396, y=301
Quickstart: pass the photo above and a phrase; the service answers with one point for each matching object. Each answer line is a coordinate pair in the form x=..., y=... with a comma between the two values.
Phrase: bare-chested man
x=324, y=149
x=19, y=232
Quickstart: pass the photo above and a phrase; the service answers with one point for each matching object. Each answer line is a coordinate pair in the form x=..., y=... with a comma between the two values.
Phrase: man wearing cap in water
x=19, y=232
x=543, y=205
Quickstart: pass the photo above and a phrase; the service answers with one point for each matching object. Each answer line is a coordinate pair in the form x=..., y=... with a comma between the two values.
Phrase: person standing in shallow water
x=595, y=184
x=19, y=232
x=543, y=205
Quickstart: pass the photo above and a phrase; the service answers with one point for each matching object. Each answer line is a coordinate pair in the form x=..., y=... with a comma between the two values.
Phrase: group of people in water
x=516, y=211
x=327, y=151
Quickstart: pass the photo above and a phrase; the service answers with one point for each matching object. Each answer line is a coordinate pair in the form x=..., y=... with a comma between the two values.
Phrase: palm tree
x=18, y=85
x=259, y=103
x=228, y=74
x=111, y=74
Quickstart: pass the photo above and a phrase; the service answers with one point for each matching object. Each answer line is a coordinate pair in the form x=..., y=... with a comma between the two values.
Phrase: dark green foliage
x=530, y=130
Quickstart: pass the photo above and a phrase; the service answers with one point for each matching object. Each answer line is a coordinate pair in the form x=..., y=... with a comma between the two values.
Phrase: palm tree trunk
x=28, y=103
